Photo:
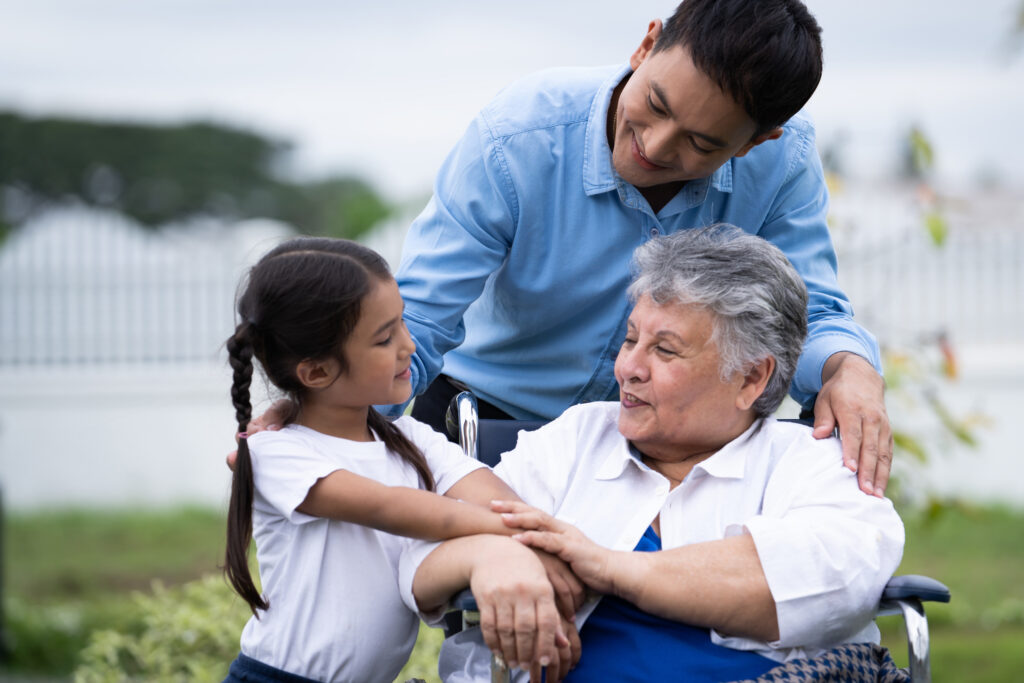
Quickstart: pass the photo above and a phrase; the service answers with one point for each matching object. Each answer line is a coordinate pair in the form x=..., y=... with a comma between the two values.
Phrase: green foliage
x=423, y=660
x=920, y=155
x=191, y=632
x=188, y=633
x=67, y=554
x=936, y=226
x=159, y=174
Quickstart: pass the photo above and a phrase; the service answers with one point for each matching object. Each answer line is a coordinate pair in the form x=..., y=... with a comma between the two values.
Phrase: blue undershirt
x=623, y=643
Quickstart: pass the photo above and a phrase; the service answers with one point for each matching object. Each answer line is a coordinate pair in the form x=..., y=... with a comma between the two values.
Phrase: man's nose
x=660, y=145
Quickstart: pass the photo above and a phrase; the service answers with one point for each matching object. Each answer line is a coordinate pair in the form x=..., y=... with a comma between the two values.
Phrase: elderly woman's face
x=673, y=401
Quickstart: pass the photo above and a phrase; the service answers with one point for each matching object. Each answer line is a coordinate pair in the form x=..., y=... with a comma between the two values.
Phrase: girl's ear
x=755, y=382
x=317, y=374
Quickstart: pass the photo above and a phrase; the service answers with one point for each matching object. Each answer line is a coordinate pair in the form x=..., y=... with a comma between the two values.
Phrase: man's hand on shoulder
x=852, y=398
x=269, y=421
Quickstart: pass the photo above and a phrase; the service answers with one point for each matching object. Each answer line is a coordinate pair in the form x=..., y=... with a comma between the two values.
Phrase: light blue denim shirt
x=515, y=274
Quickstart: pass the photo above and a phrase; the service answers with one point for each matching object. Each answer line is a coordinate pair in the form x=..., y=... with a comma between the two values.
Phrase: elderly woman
x=762, y=547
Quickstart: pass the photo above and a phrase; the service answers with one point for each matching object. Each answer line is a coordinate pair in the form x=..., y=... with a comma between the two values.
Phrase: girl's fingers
x=505, y=630
x=525, y=625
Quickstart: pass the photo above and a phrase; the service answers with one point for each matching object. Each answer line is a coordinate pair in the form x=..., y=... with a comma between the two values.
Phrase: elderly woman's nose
x=634, y=363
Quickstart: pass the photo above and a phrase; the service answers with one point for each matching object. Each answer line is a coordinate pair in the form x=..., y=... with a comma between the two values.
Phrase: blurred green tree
x=162, y=173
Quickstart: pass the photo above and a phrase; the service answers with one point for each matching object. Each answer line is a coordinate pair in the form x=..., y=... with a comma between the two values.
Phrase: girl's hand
x=589, y=561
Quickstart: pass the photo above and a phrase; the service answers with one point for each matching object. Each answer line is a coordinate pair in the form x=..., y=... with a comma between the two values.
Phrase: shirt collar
x=618, y=459
x=728, y=463
x=731, y=459
x=598, y=173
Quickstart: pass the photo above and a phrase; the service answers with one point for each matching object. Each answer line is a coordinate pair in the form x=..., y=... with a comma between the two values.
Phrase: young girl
x=324, y=319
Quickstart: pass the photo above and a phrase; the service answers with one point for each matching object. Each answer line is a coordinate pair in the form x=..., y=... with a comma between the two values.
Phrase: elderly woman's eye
x=665, y=351
x=628, y=342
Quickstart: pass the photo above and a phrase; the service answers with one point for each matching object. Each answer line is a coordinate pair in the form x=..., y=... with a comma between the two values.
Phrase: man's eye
x=698, y=148
x=655, y=108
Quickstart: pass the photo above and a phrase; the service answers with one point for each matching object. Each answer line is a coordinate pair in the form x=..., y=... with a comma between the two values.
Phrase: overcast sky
x=385, y=88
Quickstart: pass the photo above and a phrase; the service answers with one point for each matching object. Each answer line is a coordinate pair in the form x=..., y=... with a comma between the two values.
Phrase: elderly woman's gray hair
x=758, y=302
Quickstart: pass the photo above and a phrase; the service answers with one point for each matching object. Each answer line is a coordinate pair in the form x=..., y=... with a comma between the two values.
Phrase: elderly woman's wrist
x=627, y=575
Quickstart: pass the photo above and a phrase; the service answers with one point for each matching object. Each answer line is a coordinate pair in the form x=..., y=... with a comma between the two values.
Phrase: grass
x=70, y=574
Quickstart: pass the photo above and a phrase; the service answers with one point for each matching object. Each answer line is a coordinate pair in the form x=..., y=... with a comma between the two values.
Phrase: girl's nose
x=408, y=345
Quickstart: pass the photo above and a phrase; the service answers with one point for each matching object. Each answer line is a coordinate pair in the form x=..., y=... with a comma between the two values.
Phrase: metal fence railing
x=82, y=288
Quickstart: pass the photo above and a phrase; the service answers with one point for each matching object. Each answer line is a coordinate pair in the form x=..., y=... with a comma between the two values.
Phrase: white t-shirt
x=827, y=549
x=335, y=611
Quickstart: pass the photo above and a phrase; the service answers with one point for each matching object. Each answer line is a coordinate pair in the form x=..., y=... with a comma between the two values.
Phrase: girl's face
x=377, y=352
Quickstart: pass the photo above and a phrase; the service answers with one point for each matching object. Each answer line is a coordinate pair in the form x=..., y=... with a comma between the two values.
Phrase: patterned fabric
x=850, y=663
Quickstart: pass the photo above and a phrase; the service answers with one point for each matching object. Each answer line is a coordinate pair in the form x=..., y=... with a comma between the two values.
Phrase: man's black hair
x=765, y=54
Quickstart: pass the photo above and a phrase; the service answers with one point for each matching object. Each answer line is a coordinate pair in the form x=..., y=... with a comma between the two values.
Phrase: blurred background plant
x=161, y=174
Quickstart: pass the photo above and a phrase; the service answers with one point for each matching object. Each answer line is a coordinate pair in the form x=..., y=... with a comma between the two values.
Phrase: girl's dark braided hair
x=301, y=301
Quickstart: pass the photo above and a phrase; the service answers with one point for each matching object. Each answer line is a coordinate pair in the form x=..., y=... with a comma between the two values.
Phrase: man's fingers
x=824, y=420
x=884, y=467
x=869, y=450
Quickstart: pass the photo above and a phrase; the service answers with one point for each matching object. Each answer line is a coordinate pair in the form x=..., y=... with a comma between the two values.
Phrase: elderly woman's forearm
x=718, y=584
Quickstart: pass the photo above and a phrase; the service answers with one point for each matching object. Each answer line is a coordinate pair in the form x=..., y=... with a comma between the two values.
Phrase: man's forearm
x=718, y=584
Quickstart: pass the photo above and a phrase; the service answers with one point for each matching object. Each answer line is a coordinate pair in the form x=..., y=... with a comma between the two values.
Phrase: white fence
x=114, y=389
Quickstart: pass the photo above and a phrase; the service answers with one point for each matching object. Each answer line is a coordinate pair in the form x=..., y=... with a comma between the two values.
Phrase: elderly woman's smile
x=674, y=403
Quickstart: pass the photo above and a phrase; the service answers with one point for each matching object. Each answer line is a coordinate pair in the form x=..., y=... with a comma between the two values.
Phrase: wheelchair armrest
x=464, y=601
x=924, y=588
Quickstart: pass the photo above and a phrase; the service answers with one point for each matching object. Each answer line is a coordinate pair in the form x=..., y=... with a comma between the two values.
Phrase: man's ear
x=317, y=374
x=773, y=134
x=755, y=382
x=646, y=45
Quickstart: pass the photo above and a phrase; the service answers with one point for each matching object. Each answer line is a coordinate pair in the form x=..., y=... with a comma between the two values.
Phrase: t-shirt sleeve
x=445, y=459
x=285, y=467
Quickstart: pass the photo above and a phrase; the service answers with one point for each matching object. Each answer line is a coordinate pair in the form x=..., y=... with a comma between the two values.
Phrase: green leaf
x=937, y=227
x=910, y=444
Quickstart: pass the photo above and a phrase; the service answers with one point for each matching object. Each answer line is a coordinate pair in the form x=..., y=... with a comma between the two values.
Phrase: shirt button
x=654, y=232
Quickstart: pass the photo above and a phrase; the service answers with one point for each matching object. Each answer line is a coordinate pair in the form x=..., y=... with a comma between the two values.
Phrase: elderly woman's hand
x=589, y=561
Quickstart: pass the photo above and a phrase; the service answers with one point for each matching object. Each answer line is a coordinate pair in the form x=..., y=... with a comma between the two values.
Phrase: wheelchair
x=485, y=440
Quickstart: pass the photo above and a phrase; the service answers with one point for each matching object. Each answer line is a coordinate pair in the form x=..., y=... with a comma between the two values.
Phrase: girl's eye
x=385, y=342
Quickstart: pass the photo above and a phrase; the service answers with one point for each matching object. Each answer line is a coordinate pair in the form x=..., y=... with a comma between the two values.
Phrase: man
x=514, y=275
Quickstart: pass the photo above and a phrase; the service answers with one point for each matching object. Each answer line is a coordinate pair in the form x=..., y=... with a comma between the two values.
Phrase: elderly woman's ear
x=754, y=383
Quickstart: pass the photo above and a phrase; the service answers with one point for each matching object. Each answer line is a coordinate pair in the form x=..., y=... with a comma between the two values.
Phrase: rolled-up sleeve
x=827, y=549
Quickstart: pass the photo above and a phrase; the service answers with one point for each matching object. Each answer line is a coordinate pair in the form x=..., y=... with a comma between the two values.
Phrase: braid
x=395, y=441
x=236, y=567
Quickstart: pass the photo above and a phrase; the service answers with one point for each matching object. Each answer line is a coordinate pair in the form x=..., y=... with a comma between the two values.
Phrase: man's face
x=673, y=123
